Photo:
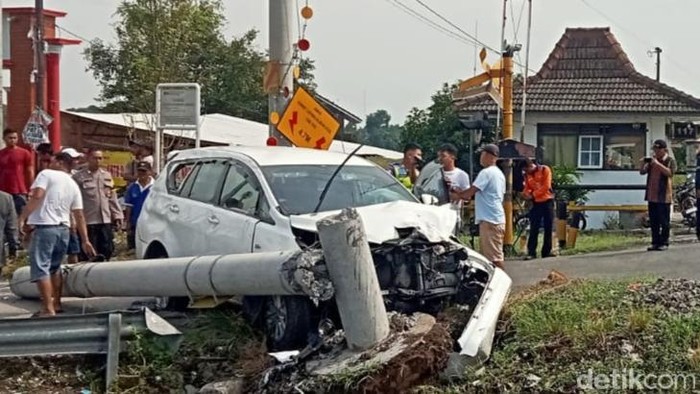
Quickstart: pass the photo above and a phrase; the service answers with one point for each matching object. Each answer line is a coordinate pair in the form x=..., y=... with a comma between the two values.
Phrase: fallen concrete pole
x=275, y=273
x=352, y=270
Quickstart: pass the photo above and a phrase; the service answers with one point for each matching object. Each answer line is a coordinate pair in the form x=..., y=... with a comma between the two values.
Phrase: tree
x=180, y=41
x=378, y=131
x=439, y=124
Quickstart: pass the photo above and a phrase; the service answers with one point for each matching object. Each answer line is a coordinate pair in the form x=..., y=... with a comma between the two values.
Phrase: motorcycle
x=685, y=194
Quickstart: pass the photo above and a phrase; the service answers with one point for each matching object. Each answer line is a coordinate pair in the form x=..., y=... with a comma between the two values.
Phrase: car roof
x=276, y=155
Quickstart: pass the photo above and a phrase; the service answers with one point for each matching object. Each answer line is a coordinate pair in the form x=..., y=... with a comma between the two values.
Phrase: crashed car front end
x=422, y=267
x=419, y=275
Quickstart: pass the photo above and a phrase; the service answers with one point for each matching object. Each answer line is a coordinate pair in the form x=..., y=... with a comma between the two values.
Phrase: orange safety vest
x=539, y=184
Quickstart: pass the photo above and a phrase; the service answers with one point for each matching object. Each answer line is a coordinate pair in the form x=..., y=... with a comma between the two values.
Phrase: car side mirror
x=429, y=199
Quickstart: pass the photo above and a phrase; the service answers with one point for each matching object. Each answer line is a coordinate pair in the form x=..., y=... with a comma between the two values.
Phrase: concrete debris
x=416, y=351
x=235, y=386
x=676, y=295
x=307, y=273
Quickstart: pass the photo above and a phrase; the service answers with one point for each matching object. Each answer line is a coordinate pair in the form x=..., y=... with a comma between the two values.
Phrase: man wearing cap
x=134, y=198
x=74, y=241
x=488, y=190
x=102, y=209
x=659, y=169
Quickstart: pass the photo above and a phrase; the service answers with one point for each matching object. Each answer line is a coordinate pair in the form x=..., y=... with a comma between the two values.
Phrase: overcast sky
x=371, y=55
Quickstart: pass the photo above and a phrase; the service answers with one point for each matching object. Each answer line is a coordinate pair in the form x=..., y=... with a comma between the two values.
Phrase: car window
x=298, y=188
x=241, y=190
x=207, y=181
x=177, y=174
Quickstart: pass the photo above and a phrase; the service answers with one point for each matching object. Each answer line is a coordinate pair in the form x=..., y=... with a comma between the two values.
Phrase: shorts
x=46, y=250
x=491, y=241
x=73, y=244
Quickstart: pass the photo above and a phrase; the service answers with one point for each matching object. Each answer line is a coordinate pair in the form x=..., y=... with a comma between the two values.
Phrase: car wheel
x=287, y=321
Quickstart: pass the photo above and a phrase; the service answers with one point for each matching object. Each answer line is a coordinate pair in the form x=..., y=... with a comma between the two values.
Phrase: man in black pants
x=697, y=192
x=659, y=169
x=538, y=189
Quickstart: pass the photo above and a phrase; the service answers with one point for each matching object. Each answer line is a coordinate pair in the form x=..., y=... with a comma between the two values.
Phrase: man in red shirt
x=16, y=173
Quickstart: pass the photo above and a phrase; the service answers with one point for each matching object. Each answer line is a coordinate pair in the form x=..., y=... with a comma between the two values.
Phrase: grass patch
x=586, y=242
x=601, y=241
x=550, y=341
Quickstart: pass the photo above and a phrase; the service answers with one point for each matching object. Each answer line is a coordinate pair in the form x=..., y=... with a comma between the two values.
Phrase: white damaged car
x=226, y=200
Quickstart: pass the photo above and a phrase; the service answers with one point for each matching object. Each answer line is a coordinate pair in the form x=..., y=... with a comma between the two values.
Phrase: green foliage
x=160, y=41
x=565, y=175
x=378, y=131
x=439, y=124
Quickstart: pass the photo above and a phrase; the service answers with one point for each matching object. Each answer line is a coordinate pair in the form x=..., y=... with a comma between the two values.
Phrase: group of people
x=488, y=191
x=67, y=207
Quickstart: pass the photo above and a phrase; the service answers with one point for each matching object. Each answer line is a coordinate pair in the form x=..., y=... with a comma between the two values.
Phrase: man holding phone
x=659, y=169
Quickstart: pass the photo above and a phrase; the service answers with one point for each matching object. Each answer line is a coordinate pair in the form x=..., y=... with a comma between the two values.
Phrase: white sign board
x=178, y=106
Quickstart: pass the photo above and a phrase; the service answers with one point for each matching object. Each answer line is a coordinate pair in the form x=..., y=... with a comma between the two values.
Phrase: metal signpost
x=177, y=108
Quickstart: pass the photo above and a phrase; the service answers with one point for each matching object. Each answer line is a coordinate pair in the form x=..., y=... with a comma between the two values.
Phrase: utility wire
x=422, y=18
x=471, y=37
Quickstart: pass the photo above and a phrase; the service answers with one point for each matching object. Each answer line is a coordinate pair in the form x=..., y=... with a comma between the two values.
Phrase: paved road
x=11, y=306
x=681, y=260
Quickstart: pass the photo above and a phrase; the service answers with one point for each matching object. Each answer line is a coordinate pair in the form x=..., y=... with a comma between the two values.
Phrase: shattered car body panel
x=383, y=222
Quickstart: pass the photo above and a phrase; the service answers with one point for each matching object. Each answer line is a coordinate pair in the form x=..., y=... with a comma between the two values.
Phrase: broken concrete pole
x=351, y=268
x=273, y=273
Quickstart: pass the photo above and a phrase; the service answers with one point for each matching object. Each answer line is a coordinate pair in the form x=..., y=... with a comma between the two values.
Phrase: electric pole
x=39, y=50
x=281, y=57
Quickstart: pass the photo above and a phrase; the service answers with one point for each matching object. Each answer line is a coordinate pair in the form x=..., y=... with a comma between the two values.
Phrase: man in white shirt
x=54, y=197
x=489, y=190
x=455, y=178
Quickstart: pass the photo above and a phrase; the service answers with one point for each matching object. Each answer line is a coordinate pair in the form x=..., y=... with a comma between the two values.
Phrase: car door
x=160, y=219
x=237, y=212
x=193, y=217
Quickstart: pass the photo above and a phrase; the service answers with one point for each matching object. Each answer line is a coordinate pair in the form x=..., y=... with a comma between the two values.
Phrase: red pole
x=53, y=93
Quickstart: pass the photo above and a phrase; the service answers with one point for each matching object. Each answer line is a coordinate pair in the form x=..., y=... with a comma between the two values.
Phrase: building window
x=590, y=151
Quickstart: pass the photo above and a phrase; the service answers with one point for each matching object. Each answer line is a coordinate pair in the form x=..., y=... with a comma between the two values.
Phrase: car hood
x=382, y=221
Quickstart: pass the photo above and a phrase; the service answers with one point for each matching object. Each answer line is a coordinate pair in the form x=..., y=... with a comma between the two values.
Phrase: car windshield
x=298, y=188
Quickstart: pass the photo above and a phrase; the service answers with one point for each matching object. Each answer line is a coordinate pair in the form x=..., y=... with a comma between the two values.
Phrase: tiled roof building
x=588, y=71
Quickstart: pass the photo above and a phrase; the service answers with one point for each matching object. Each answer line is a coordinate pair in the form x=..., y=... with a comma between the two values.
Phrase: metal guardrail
x=98, y=333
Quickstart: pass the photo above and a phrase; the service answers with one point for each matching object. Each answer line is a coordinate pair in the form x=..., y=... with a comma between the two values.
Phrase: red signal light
x=271, y=141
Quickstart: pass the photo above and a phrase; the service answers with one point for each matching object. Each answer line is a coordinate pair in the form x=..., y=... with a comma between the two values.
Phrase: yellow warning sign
x=306, y=123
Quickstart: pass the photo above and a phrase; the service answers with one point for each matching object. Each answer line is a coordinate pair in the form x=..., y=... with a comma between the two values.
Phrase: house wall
x=656, y=126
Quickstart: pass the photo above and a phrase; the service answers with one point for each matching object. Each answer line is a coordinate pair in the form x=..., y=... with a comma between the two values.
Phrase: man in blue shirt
x=134, y=198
